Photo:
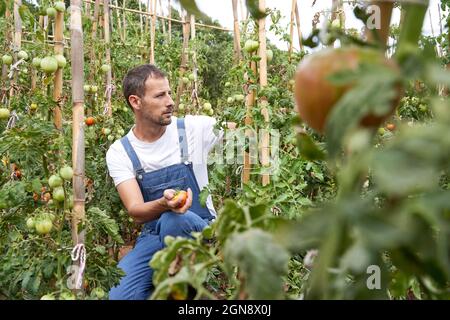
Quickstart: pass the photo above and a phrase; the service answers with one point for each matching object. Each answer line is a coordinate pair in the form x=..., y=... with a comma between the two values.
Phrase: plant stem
x=411, y=28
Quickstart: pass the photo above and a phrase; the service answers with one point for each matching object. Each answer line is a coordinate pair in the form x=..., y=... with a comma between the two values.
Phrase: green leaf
x=108, y=225
x=191, y=7
x=438, y=75
x=36, y=185
x=25, y=13
x=2, y=8
x=26, y=279
x=253, y=8
x=372, y=94
x=203, y=196
x=229, y=220
x=261, y=261
x=308, y=149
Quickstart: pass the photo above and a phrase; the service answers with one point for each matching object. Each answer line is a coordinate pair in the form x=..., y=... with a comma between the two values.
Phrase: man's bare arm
x=141, y=211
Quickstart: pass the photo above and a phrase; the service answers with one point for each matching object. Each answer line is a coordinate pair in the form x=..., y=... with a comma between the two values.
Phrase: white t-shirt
x=166, y=151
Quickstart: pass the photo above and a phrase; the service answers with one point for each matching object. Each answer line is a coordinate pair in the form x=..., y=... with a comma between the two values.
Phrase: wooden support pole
x=153, y=33
x=196, y=102
x=163, y=23
x=382, y=34
x=263, y=83
x=184, y=59
x=249, y=103
x=94, y=36
x=170, y=22
x=119, y=22
x=78, y=147
x=141, y=20
x=107, y=57
x=8, y=38
x=17, y=40
x=237, y=36
x=124, y=17
x=87, y=9
x=58, y=81
x=148, y=14
x=299, y=32
x=291, y=30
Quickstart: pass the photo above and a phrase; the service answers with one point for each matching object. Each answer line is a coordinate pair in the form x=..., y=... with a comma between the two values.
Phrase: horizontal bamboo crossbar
x=161, y=17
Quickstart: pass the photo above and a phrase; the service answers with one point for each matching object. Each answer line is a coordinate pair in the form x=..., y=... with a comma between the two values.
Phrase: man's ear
x=135, y=102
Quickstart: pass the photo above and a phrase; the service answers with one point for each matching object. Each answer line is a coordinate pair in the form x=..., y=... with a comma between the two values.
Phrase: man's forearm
x=148, y=211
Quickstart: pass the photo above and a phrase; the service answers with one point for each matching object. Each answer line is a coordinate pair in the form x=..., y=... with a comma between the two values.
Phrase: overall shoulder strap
x=131, y=154
x=184, y=152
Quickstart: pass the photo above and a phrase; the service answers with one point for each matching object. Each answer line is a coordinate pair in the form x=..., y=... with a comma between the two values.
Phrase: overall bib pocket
x=156, y=192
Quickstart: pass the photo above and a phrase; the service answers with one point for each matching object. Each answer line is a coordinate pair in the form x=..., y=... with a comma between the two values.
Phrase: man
x=160, y=154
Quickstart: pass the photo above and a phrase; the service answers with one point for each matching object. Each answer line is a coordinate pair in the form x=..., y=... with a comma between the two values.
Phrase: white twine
x=12, y=120
x=108, y=92
x=79, y=252
x=14, y=67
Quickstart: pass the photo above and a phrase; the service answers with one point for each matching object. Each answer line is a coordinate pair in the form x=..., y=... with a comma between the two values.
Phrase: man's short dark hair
x=134, y=81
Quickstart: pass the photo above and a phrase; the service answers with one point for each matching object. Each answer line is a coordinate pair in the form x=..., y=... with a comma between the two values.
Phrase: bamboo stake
x=8, y=40
x=153, y=33
x=249, y=102
x=58, y=81
x=141, y=20
x=124, y=17
x=108, y=57
x=299, y=32
x=291, y=30
x=78, y=120
x=17, y=41
x=237, y=36
x=386, y=13
x=243, y=10
x=163, y=21
x=184, y=58
x=194, y=63
x=263, y=83
x=87, y=8
x=94, y=36
x=119, y=22
x=170, y=22
x=147, y=14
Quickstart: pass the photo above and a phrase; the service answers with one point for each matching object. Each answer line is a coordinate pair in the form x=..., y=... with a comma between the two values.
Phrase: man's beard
x=164, y=121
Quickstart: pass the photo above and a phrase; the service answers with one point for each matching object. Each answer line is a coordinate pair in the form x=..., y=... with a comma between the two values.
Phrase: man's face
x=156, y=105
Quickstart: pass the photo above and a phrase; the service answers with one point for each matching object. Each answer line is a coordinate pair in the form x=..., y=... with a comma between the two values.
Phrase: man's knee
x=174, y=224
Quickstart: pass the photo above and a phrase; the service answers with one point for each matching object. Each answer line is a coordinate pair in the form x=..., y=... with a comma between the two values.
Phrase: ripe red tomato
x=182, y=195
x=90, y=121
x=390, y=126
x=315, y=95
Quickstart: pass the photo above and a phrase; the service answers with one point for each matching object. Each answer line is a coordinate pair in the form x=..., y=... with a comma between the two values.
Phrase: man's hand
x=173, y=203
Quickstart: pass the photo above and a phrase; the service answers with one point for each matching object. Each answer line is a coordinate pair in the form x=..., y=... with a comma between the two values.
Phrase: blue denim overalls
x=137, y=283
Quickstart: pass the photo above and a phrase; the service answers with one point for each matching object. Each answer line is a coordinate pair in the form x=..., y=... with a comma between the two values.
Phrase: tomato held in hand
x=316, y=95
x=182, y=195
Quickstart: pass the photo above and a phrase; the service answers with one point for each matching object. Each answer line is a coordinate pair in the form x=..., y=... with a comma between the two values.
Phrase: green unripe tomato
x=60, y=6
x=55, y=181
x=62, y=62
x=58, y=194
x=51, y=12
x=36, y=62
x=66, y=173
x=4, y=113
x=22, y=55
x=7, y=59
x=49, y=65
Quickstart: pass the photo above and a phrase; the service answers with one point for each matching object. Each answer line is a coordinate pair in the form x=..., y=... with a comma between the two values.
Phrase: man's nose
x=171, y=102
